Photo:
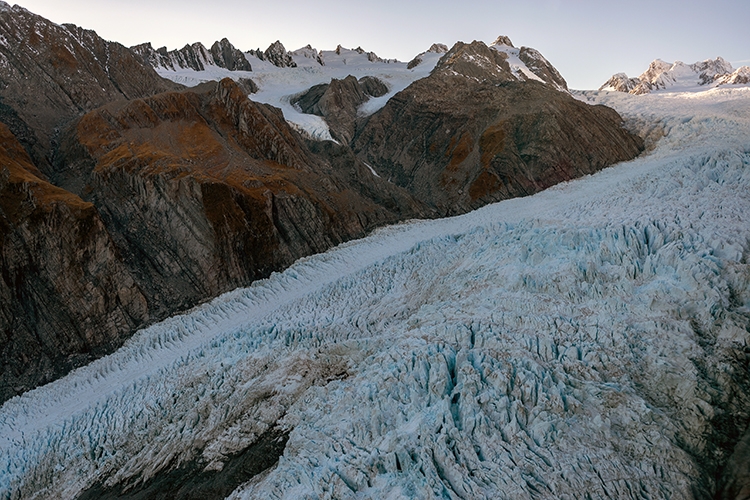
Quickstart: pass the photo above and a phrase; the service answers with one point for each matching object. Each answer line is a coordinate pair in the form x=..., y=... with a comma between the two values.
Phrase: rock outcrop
x=338, y=102
x=276, y=54
x=472, y=133
x=225, y=55
x=621, y=83
x=435, y=48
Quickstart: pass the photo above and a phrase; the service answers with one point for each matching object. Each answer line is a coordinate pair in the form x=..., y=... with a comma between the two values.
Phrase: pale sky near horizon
x=586, y=40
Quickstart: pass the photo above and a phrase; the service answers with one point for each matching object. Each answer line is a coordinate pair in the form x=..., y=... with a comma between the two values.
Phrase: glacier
x=589, y=341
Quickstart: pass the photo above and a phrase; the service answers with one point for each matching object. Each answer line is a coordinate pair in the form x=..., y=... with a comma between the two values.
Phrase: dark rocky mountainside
x=65, y=295
x=127, y=198
x=51, y=74
x=471, y=133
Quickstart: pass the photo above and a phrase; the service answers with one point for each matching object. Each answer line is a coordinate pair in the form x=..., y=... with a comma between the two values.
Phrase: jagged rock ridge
x=276, y=54
x=222, y=54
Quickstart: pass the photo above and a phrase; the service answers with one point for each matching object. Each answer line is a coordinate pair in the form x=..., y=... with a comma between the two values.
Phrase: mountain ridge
x=662, y=75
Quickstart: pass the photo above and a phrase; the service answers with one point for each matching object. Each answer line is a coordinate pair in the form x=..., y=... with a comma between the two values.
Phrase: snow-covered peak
x=677, y=76
x=4, y=6
x=502, y=40
x=529, y=64
x=309, y=52
x=620, y=82
x=741, y=76
x=435, y=48
x=710, y=69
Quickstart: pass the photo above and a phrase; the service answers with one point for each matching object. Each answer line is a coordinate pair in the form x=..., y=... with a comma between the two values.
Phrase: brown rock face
x=65, y=297
x=206, y=190
x=470, y=134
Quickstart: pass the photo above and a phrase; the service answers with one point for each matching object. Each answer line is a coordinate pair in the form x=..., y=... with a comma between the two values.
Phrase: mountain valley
x=328, y=274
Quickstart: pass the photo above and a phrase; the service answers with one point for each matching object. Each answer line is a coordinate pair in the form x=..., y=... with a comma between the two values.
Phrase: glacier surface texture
x=590, y=341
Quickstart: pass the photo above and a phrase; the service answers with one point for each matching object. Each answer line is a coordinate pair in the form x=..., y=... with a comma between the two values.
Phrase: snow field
x=277, y=86
x=579, y=341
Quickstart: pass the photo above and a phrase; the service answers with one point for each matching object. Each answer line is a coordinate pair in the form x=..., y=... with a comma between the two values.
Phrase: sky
x=587, y=41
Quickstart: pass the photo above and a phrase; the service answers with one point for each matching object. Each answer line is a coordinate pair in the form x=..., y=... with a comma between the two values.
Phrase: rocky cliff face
x=66, y=297
x=472, y=133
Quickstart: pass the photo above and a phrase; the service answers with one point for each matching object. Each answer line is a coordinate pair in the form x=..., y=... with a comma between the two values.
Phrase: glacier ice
x=579, y=343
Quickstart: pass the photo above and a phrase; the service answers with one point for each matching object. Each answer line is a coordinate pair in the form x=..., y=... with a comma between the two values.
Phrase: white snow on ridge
x=278, y=85
x=535, y=348
x=517, y=66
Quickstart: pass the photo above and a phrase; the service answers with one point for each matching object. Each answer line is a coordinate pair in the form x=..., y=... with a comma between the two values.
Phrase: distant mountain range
x=678, y=76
